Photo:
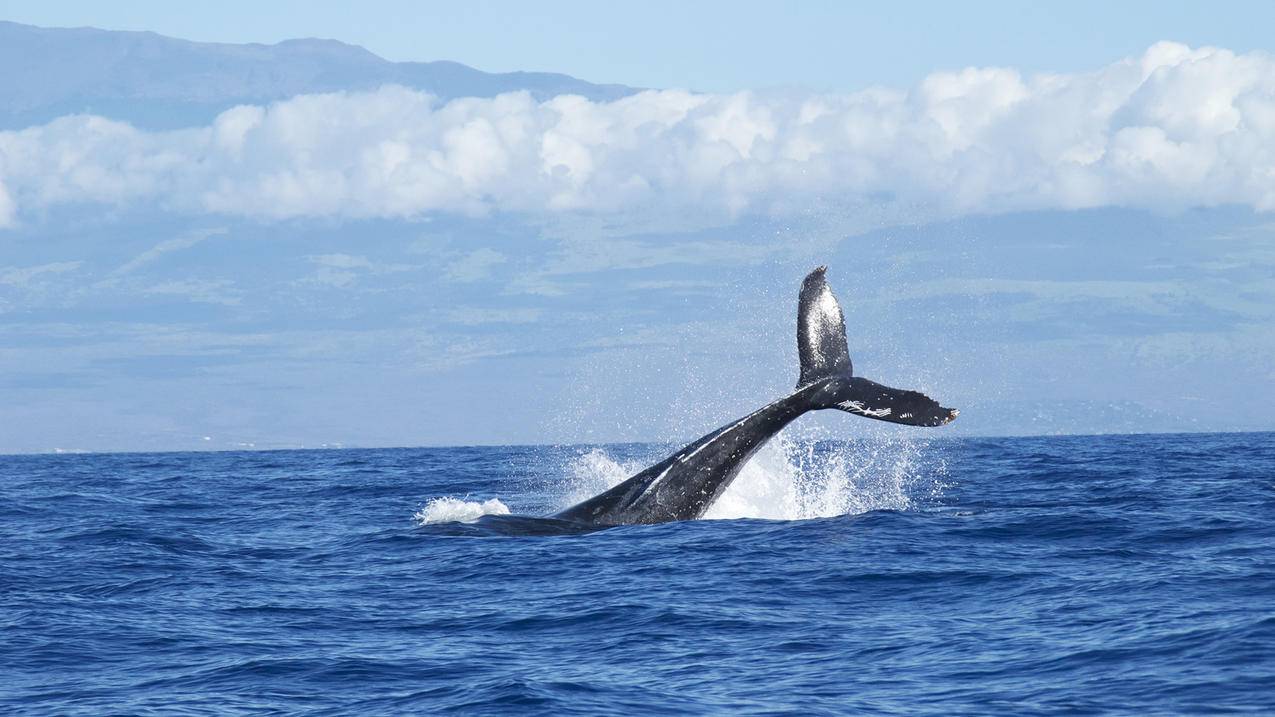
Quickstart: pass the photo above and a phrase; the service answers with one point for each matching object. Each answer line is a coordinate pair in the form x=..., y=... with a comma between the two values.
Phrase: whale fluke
x=821, y=331
x=825, y=356
x=685, y=484
x=872, y=400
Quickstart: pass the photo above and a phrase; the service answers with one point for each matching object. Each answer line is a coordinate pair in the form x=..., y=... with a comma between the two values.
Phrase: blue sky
x=1056, y=224
x=708, y=46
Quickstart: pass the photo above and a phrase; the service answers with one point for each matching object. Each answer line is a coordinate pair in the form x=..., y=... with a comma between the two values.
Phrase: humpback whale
x=684, y=485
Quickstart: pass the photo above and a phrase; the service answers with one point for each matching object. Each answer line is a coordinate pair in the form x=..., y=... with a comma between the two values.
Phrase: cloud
x=1175, y=127
x=342, y=261
x=221, y=292
x=21, y=276
x=7, y=209
x=343, y=270
x=185, y=241
x=476, y=316
x=475, y=265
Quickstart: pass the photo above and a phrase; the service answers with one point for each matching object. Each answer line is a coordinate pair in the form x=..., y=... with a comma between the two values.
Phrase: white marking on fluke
x=862, y=410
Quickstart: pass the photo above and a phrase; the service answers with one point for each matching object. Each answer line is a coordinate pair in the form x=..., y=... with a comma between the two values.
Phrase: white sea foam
x=796, y=479
x=455, y=510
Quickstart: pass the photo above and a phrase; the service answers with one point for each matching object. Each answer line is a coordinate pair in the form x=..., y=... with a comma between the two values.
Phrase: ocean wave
x=1029, y=581
x=456, y=510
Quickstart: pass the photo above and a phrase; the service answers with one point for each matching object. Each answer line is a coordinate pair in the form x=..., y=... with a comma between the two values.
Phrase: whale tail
x=821, y=331
x=825, y=359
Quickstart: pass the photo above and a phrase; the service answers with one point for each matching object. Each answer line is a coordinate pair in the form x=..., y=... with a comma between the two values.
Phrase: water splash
x=455, y=510
x=594, y=471
x=796, y=478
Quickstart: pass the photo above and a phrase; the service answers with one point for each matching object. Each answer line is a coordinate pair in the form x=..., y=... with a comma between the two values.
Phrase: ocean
x=1119, y=574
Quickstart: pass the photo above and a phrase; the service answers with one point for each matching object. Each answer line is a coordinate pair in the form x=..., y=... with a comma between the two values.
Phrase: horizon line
x=959, y=437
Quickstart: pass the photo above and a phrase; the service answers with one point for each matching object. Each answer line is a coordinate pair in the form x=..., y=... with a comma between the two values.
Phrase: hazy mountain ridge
x=160, y=82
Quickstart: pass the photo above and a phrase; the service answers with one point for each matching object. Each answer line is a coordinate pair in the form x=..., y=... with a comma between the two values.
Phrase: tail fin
x=869, y=398
x=821, y=344
x=821, y=331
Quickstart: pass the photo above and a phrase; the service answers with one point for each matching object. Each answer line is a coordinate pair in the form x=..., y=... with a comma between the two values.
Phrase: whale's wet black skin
x=684, y=485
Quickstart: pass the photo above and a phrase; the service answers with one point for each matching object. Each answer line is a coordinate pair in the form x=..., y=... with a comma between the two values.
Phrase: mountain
x=159, y=82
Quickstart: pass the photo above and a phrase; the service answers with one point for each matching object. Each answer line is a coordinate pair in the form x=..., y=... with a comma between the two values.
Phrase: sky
x=708, y=46
x=1055, y=224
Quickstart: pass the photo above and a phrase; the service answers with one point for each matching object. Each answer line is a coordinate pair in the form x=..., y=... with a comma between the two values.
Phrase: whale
x=684, y=485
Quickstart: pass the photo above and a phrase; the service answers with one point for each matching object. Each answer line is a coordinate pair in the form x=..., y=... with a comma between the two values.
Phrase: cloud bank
x=1174, y=127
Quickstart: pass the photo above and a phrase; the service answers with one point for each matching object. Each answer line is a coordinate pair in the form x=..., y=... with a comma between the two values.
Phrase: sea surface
x=885, y=575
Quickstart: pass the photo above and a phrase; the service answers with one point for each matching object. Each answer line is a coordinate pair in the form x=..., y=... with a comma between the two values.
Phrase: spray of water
x=796, y=478
x=456, y=510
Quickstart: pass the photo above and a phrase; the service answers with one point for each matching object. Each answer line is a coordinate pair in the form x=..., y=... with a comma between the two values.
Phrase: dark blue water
x=1083, y=575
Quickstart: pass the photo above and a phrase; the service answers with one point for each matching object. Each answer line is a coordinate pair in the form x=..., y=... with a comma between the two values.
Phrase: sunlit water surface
x=1080, y=575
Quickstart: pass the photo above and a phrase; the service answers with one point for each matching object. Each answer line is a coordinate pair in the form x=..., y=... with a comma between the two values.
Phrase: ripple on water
x=1005, y=576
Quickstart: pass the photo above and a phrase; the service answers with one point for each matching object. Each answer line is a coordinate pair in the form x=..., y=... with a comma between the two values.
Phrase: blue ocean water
x=1070, y=575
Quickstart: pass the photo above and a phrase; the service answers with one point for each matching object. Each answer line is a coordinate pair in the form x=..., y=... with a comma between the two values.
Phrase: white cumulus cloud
x=6, y=206
x=1175, y=127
